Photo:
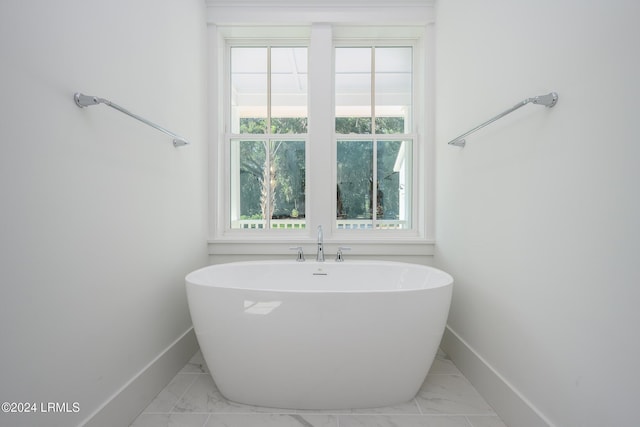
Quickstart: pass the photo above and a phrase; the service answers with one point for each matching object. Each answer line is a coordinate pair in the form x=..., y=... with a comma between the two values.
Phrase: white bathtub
x=309, y=335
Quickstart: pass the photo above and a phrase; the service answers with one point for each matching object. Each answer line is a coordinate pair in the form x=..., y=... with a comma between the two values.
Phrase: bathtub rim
x=446, y=279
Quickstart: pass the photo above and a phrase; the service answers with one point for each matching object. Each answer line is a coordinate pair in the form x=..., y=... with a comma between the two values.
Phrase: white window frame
x=321, y=145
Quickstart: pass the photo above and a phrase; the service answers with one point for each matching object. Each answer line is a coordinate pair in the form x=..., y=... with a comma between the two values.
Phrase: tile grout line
x=418, y=405
x=195, y=378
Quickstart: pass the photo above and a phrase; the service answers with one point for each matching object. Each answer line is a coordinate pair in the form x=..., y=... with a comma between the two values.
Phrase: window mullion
x=374, y=180
x=266, y=176
x=322, y=184
x=373, y=90
x=267, y=146
x=268, y=90
x=374, y=184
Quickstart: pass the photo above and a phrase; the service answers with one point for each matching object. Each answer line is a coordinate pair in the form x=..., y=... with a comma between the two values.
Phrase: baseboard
x=512, y=407
x=125, y=405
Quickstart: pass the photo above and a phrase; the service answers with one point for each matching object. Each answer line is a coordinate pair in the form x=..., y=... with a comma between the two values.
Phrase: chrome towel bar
x=86, y=100
x=548, y=100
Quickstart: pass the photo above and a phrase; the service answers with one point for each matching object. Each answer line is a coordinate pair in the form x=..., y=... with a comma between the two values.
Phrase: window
x=268, y=121
x=325, y=127
x=374, y=142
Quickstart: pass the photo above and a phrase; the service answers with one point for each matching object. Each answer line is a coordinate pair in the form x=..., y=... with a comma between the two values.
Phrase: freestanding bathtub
x=311, y=335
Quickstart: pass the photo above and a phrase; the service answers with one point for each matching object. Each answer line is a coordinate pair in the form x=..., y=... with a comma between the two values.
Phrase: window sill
x=359, y=248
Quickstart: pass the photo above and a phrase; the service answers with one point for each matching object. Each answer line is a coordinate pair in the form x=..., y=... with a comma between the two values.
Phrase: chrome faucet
x=320, y=253
x=300, y=255
x=340, y=255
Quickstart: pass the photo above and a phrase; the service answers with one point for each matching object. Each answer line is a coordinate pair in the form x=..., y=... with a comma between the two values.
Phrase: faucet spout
x=320, y=252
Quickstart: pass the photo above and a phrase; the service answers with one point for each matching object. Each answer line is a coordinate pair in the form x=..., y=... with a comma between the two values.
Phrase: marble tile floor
x=191, y=399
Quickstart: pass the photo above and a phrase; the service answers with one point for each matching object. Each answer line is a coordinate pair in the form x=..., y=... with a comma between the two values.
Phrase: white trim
x=216, y=103
x=427, y=114
x=271, y=248
x=319, y=210
x=294, y=12
x=131, y=399
x=512, y=407
x=315, y=3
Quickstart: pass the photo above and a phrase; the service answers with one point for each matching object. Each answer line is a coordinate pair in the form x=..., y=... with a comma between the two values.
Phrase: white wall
x=101, y=216
x=538, y=218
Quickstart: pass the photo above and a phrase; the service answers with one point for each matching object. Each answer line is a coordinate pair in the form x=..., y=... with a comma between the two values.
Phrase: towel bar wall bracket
x=548, y=100
x=82, y=101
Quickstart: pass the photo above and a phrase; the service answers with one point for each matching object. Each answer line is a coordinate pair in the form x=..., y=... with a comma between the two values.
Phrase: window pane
x=248, y=89
x=248, y=159
x=289, y=90
x=267, y=184
x=353, y=90
x=392, y=175
x=393, y=199
x=355, y=176
x=393, y=78
x=288, y=184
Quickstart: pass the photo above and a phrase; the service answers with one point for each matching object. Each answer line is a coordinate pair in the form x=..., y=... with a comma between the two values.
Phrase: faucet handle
x=300, y=255
x=339, y=256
